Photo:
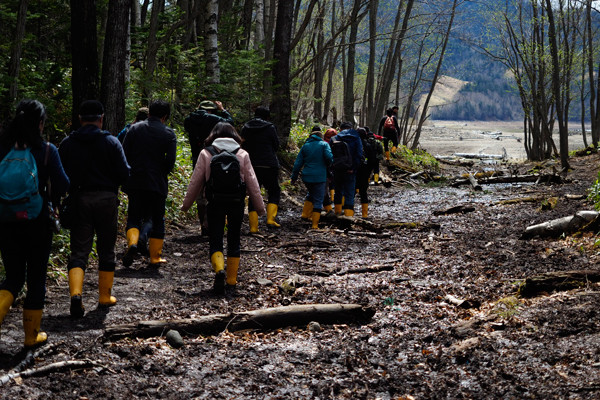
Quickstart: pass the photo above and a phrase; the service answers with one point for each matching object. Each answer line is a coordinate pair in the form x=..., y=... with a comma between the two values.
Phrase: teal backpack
x=20, y=197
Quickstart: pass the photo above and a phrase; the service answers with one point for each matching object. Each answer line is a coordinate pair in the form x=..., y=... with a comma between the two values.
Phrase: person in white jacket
x=224, y=138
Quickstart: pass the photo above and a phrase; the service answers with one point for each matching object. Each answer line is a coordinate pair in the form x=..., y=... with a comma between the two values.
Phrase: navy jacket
x=151, y=148
x=352, y=138
x=261, y=142
x=94, y=160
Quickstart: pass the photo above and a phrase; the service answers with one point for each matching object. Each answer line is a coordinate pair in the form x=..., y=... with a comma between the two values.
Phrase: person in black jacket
x=390, y=132
x=25, y=244
x=150, y=147
x=96, y=165
x=261, y=142
x=198, y=125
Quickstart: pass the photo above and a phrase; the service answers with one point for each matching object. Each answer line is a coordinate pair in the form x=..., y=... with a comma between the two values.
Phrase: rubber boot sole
x=77, y=310
x=219, y=285
x=127, y=259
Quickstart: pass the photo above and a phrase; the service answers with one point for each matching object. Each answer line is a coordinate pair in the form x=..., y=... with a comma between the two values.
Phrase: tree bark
x=211, y=46
x=114, y=65
x=281, y=106
x=270, y=318
x=348, y=112
x=84, y=53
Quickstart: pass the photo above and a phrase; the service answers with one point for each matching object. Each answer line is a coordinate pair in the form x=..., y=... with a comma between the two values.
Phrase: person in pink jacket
x=224, y=138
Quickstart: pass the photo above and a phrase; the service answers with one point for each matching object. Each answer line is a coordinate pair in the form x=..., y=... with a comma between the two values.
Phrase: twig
x=72, y=364
x=32, y=355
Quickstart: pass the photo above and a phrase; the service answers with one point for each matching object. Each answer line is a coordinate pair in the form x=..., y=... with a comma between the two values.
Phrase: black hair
x=24, y=129
x=346, y=125
x=160, y=109
x=222, y=130
x=262, y=112
x=389, y=112
x=91, y=110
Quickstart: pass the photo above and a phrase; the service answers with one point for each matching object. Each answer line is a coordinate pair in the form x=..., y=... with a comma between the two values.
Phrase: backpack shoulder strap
x=211, y=150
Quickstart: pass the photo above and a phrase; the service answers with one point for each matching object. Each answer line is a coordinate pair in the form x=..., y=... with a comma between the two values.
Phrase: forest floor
x=417, y=345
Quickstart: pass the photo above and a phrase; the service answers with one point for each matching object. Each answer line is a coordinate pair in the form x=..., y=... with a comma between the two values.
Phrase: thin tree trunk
x=151, y=53
x=350, y=70
x=112, y=88
x=14, y=64
x=423, y=117
x=84, y=52
x=259, y=30
x=211, y=46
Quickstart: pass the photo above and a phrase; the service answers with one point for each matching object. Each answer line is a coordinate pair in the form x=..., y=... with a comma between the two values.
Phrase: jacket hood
x=314, y=138
x=226, y=144
x=257, y=123
x=88, y=133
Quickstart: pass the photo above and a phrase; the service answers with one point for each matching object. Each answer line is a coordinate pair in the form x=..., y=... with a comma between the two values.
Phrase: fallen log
x=463, y=208
x=462, y=303
x=560, y=280
x=560, y=226
x=481, y=156
x=518, y=200
x=412, y=225
x=476, y=186
x=270, y=318
x=537, y=179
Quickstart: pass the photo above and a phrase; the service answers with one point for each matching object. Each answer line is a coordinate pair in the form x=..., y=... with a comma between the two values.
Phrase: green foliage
x=594, y=193
x=418, y=159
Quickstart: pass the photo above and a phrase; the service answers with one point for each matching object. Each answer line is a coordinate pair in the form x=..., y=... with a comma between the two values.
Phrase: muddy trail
x=417, y=345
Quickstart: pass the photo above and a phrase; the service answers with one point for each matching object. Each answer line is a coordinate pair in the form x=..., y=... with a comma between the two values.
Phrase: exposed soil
x=417, y=345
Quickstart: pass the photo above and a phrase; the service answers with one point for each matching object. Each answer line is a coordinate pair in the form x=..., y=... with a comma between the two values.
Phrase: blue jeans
x=345, y=186
x=316, y=193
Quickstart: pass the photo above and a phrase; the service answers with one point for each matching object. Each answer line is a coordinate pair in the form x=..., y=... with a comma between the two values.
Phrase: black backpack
x=342, y=160
x=225, y=182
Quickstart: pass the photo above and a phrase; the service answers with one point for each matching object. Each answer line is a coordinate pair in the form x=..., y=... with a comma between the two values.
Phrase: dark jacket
x=198, y=126
x=261, y=142
x=382, y=122
x=352, y=138
x=94, y=160
x=313, y=159
x=151, y=148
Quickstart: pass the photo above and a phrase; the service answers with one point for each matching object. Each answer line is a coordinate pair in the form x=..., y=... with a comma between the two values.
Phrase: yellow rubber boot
x=316, y=215
x=32, y=320
x=387, y=156
x=76, y=276
x=218, y=263
x=105, y=284
x=253, y=221
x=365, y=210
x=133, y=235
x=331, y=194
x=327, y=208
x=155, y=248
x=376, y=178
x=233, y=263
x=307, y=209
x=348, y=212
x=338, y=209
x=394, y=148
x=6, y=300
x=271, y=213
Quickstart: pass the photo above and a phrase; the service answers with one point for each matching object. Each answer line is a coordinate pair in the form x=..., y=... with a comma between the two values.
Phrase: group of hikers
x=91, y=165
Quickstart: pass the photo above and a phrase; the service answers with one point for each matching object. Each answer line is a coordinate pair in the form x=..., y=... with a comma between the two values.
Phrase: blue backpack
x=20, y=197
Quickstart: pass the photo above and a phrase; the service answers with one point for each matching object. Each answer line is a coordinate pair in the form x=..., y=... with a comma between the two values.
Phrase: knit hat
x=329, y=133
x=208, y=105
x=316, y=128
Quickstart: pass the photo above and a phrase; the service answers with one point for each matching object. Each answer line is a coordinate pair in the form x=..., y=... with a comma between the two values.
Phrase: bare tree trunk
x=84, y=52
x=270, y=16
x=423, y=117
x=14, y=64
x=112, y=89
x=151, y=53
x=247, y=23
x=211, y=47
x=348, y=113
x=319, y=70
x=281, y=105
x=259, y=35
x=370, y=109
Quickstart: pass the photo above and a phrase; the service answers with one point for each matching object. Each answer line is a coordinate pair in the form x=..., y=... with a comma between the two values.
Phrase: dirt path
x=417, y=344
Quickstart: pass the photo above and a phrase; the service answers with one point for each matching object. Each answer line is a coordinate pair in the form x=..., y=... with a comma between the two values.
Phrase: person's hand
x=219, y=105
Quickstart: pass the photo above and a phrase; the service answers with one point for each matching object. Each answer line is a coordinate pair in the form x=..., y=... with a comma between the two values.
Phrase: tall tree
x=14, y=64
x=351, y=62
x=211, y=45
x=84, y=53
x=281, y=105
x=114, y=67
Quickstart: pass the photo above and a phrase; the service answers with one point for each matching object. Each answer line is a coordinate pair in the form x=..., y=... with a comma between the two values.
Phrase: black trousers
x=217, y=212
x=268, y=178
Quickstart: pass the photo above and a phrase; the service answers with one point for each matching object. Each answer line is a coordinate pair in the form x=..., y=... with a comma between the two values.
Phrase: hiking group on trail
x=91, y=165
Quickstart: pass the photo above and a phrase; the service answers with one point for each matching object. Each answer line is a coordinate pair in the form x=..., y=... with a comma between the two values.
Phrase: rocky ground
x=417, y=345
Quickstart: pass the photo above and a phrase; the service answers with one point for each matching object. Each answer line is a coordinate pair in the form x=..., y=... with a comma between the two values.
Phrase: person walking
x=366, y=167
x=151, y=149
x=389, y=126
x=261, y=142
x=141, y=115
x=345, y=179
x=329, y=189
x=96, y=165
x=198, y=125
x=25, y=243
x=312, y=160
x=225, y=198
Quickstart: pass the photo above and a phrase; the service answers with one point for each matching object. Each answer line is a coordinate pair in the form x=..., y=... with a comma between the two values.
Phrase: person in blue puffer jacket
x=345, y=180
x=313, y=159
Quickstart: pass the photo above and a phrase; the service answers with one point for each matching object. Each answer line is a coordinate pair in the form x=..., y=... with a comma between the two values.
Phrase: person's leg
x=106, y=223
x=134, y=221
x=318, y=193
x=12, y=248
x=349, y=193
x=157, y=233
x=271, y=184
x=338, y=178
x=235, y=214
x=216, y=226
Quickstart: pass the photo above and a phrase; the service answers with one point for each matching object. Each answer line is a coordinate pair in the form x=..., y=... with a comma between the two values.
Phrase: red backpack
x=389, y=125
